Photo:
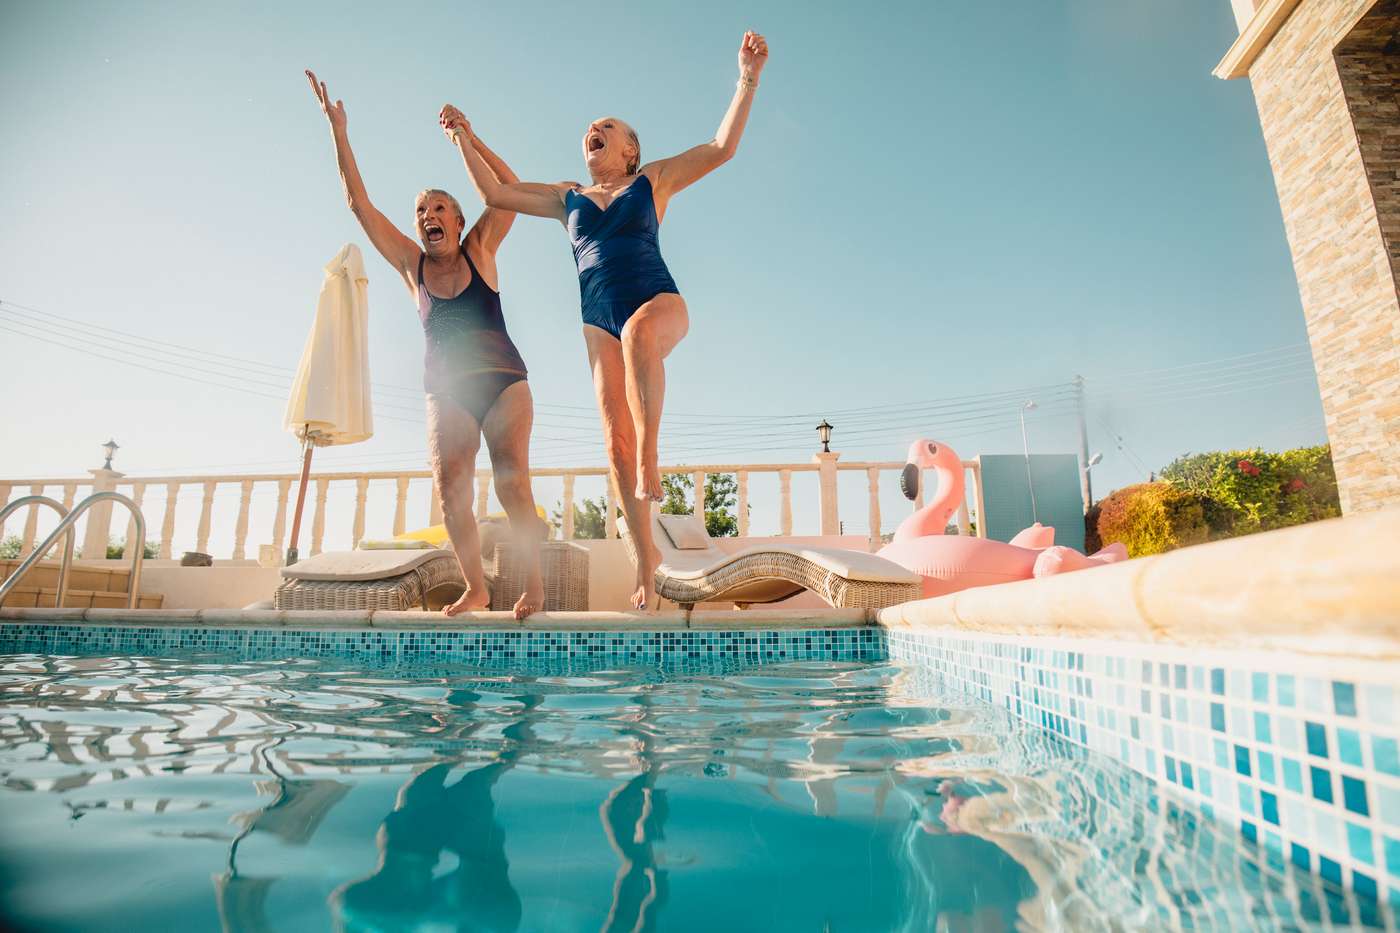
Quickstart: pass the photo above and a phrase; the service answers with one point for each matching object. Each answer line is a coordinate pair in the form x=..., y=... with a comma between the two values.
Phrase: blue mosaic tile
x=1329, y=870
x=1242, y=760
x=1260, y=687
x=1392, y=856
x=1266, y=768
x=1261, y=728
x=1389, y=805
x=1360, y=845
x=1384, y=753
x=1268, y=807
x=1317, y=739
x=1321, y=784
x=1354, y=795
x=1344, y=698
x=1217, y=681
x=1349, y=747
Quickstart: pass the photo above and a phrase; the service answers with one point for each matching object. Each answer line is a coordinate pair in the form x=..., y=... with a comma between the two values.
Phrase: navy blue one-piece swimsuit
x=619, y=259
x=470, y=358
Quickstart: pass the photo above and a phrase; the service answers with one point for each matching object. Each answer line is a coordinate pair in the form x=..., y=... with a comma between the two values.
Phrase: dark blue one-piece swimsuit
x=619, y=259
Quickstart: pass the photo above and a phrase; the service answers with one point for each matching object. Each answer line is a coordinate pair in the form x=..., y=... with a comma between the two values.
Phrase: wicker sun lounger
x=429, y=579
x=695, y=570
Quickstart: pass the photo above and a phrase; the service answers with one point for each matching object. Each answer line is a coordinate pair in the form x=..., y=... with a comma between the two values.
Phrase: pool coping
x=355, y=619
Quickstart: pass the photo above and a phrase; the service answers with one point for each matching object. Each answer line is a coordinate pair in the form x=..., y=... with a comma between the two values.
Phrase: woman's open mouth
x=433, y=232
x=596, y=143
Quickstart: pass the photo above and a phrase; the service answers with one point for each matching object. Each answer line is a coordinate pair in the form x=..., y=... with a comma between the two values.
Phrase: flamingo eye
x=933, y=448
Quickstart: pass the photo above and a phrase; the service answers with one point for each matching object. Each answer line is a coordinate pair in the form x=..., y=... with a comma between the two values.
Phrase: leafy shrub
x=1149, y=518
x=116, y=549
x=1244, y=491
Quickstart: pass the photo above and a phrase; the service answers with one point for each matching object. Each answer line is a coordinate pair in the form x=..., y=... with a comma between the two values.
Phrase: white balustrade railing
x=165, y=492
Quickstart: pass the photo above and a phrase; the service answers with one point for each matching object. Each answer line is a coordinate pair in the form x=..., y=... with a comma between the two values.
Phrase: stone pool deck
x=1329, y=589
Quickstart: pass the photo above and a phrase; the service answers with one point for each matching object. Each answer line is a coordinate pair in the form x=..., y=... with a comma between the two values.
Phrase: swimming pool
x=198, y=790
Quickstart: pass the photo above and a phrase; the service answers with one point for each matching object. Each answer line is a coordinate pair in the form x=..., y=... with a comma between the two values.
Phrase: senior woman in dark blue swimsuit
x=473, y=375
x=633, y=314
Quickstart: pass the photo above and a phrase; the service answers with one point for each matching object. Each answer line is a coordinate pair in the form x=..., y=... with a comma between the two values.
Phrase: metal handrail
x=58, y=507
x=65, y=526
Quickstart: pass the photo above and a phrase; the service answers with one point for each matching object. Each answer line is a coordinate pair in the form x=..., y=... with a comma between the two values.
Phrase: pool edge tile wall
x=1299, y=756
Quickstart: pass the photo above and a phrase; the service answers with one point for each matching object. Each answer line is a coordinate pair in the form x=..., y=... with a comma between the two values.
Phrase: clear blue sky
x=933, y=200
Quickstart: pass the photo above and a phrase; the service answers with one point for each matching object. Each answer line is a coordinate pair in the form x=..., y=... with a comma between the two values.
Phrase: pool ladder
x=66, y=522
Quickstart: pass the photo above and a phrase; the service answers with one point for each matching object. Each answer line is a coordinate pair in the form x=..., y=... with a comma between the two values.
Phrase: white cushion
x=687, y=532
x=361, y=565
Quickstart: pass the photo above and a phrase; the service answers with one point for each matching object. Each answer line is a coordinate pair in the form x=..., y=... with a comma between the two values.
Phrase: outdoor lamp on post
x=1088, y=482
x=824, y=432
x=111, y=448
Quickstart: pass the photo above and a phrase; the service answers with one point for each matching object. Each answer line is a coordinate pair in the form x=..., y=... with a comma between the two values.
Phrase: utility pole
x=1086, y=486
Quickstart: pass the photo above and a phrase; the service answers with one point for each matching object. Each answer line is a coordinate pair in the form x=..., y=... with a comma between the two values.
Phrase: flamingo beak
x=909, y=481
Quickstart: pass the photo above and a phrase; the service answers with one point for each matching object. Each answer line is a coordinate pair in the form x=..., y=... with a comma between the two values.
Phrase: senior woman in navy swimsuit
x=633, y=314
x=473, y=375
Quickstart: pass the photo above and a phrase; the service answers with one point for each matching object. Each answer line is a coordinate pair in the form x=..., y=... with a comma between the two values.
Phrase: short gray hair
x=428, y=192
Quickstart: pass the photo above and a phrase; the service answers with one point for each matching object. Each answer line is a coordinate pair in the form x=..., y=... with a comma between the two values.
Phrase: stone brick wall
x=1346, y=275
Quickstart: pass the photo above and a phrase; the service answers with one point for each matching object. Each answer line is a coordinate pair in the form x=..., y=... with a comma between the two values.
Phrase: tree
x=590, y=518
x=721, y=495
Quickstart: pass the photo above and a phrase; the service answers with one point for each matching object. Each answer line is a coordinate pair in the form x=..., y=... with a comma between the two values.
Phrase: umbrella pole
x=301, y=499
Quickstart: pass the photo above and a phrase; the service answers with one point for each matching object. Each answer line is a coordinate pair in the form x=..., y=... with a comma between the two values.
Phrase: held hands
x=753, y=55
x=454, y=122
x=335, y=113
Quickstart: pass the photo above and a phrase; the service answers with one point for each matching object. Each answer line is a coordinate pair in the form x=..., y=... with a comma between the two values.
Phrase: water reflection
x=802, y=796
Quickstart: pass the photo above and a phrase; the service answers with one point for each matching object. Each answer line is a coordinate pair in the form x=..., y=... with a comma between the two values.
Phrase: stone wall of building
x=1319, y=119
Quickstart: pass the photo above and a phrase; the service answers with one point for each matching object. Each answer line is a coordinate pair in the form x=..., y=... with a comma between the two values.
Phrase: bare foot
x=649, y=483
x=532, y=600
x=474, y=599
x=644, y=597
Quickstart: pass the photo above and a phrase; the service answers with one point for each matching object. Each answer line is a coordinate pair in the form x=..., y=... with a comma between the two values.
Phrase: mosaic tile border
x=1304, y=764
x=470, y=646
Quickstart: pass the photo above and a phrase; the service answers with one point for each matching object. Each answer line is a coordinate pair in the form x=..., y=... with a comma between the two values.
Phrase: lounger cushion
x=852, y=565
x=687, y=532
x=361, y=565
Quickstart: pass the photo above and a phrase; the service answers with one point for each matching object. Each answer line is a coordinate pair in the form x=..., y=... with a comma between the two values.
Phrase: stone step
x=30, y=597
x=88, y=587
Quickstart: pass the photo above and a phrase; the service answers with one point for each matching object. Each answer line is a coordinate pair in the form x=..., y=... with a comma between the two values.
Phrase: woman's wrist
x=748, y=79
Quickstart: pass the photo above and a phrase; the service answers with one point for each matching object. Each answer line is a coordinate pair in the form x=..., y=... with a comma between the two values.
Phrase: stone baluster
x=31, y=523
x=698, y=478
x=206, y=514
x=610, y=505
x=4, y=501
x=567, y=518
x=483, y=492
x=167, y=522
x=435, y=506
x=872, y=479
x=138, y=495
x=318, y=524
x=400, y=505
x=361, y=495
x=785, y=502
x=742, y=480
x=240, y=528
x=279, y=521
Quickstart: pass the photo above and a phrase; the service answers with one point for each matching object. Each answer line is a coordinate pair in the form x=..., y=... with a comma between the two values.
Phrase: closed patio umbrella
x=330, y=399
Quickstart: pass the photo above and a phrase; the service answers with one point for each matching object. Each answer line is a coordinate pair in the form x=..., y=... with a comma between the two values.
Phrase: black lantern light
x=111, y=447
x=824, y=432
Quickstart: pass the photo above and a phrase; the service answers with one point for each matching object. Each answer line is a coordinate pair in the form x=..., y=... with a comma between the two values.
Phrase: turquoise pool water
x=205, y=793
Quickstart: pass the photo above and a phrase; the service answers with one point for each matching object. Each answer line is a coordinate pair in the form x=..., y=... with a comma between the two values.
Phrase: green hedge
x=1244, y=491
x=1148, y=518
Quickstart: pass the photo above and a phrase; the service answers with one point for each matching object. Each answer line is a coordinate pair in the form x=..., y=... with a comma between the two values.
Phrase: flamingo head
x=925, y=454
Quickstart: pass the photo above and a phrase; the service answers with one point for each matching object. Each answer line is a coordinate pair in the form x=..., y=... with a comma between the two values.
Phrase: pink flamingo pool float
x=949, y=563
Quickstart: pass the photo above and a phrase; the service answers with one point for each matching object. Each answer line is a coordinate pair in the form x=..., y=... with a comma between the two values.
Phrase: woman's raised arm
x=523, y=197
x=671, y=175
x=399, y=250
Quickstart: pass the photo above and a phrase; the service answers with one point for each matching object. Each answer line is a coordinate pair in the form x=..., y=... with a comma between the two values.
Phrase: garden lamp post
x=111, y=448
x=1088, y=480
x=1028, y=405
x=824, y=433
